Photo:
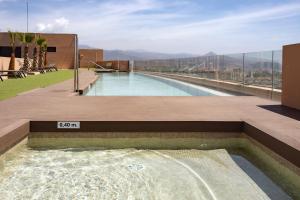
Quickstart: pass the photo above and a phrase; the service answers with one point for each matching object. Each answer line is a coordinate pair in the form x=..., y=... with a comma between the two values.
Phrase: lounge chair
x=13, y=73
x=1, y=78
x=100, y=69
x=109, y=65
x=25, y=70
x=32, y=69
x=51, y=67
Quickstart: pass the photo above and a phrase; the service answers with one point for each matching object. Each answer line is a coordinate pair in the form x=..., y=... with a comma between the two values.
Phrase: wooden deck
x=59, y=103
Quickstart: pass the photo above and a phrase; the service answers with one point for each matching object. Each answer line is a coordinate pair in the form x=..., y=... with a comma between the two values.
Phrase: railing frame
x=219, y=61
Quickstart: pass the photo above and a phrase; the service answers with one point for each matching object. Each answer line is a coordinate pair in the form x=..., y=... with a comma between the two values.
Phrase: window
x=51, y=49
x=5, y=51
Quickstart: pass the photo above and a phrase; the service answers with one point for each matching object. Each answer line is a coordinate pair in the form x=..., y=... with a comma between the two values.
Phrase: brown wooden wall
x=122, y=65
x=87, y=55
x=291, y=76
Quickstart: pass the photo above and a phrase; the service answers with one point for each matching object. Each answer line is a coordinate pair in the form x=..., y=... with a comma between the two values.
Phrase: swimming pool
x=137, y=84
x=133, y=174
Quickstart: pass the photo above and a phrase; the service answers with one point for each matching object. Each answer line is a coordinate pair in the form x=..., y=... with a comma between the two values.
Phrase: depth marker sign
x=68, y=125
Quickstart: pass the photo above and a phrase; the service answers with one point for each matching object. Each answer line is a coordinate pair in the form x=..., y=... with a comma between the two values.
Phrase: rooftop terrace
x=51, y=104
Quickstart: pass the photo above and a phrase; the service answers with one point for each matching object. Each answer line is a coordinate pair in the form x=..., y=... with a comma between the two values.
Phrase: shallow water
x=126, y=174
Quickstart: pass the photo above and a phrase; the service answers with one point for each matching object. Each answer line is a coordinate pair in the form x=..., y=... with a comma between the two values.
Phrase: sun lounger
x=31, y=69
x=41, y=70
x=109, y=65
x=100, y=69
x=52, y=67
x=13, y=73
x=49, y=68
x=23, y=71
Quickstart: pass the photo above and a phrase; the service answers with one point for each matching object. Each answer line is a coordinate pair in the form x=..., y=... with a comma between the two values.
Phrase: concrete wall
x=291, y=76
x=4, y=63
x=65, y=48
x=121, y=65
x=95, y=55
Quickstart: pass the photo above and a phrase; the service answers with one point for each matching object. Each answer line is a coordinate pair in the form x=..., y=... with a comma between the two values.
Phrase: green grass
x=12, y=87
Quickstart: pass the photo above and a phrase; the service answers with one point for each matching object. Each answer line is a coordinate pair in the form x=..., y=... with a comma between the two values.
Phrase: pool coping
x=12, y=134
x=16, y=132
x=83, y=89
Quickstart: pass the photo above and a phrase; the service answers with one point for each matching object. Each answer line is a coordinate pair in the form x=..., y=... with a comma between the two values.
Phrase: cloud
x=226, y=23
x=165, y=25
x=126, y=27
x=58, y=25
x=7, y=1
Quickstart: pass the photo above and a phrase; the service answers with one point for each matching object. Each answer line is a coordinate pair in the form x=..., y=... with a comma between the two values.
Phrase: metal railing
x=263, y=69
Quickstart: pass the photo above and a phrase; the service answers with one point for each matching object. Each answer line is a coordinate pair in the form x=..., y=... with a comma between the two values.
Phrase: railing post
x=75, y=63
x=217, y=66
x=272, y=75
x=243, y=69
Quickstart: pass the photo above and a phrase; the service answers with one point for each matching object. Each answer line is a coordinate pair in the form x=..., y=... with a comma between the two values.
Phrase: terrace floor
x=59, y=103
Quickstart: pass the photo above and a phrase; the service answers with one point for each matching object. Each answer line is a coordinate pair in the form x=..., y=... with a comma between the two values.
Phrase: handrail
x=97, y=64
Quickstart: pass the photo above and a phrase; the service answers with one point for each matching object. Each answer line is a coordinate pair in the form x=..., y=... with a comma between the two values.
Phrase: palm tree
x=12, y=37
x=26, y=39
x=40, y=42
x=35, y=54
x=45, y=47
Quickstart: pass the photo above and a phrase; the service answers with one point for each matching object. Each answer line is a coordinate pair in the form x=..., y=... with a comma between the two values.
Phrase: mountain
x=141, y=55
x=210, y=54
x=84, y=46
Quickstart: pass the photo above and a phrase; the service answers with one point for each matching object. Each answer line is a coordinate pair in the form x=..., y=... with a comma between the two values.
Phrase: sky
x=168, y=26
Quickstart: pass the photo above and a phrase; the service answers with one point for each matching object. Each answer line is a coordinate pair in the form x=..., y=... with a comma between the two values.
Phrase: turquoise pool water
x=136, y=84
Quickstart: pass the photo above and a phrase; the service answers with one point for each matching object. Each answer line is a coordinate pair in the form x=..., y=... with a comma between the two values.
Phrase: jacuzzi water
x=133, y=174
x=136, y=84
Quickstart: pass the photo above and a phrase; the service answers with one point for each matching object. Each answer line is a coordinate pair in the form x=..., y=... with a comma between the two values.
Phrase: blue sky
x=171, y=26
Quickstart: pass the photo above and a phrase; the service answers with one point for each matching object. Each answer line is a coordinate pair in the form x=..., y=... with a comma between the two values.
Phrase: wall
x=291, y=76
x=121, y=65
x=4, y=63
x=65, y=48
x=95, y=55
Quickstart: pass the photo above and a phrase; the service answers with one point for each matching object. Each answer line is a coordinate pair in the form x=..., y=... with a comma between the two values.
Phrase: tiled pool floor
x=133, y=174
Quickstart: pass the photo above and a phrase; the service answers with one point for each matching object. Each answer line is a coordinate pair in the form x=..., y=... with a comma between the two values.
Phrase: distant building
x=90, y=56
x=61, y=50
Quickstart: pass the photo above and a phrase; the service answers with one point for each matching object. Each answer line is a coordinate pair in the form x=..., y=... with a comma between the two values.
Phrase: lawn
x=12, y=87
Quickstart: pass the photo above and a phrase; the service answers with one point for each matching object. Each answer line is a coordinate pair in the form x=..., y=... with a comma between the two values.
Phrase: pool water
x=133, y=174
x=136, y=84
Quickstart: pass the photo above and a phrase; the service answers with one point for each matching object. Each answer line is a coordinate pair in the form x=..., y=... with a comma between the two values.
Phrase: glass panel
x=258, y=69
x=251, y=68
x=231, y=68
x=277, y=70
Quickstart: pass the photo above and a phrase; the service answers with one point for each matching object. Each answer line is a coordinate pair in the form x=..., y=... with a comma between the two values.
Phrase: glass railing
x=262, y=69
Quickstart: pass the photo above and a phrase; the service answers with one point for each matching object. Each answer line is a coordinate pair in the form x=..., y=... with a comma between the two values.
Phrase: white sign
x=68, y=125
